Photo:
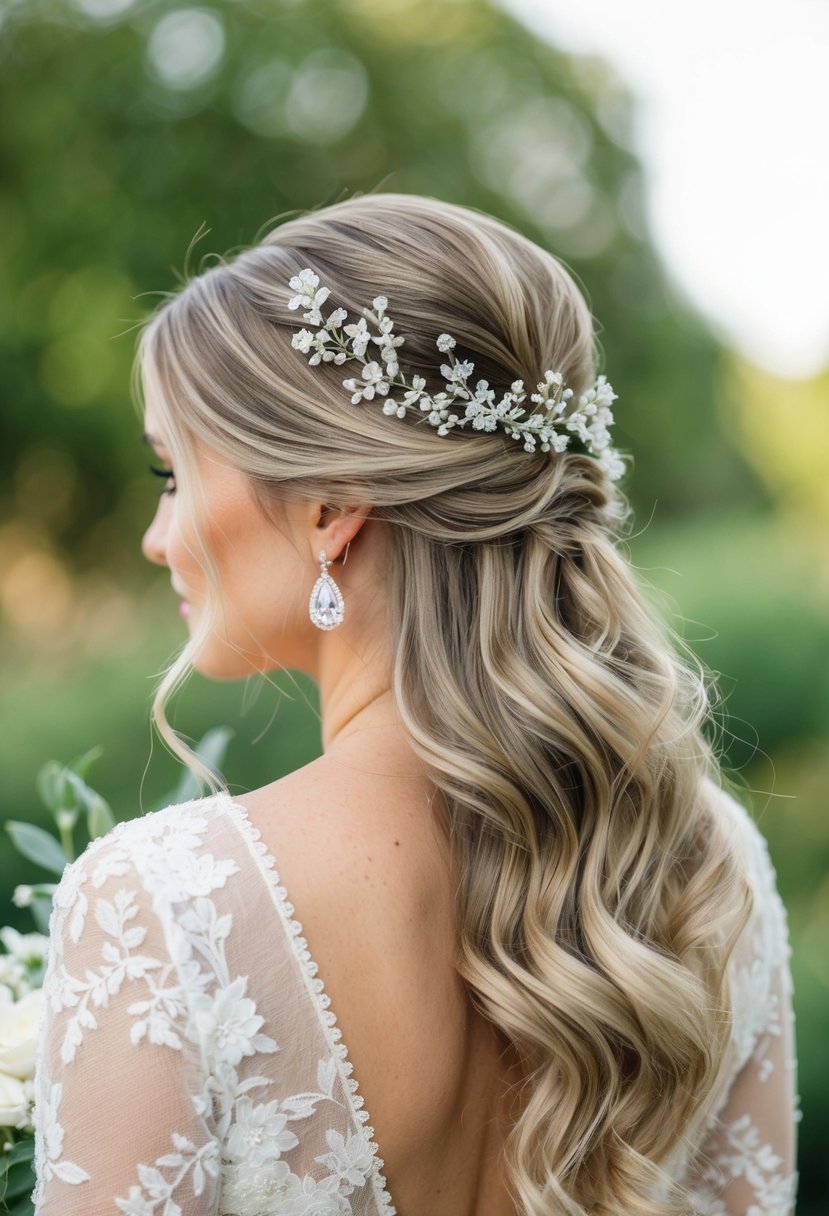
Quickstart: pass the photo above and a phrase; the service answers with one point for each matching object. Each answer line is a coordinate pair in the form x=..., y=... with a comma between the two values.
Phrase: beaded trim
x=322, y=1001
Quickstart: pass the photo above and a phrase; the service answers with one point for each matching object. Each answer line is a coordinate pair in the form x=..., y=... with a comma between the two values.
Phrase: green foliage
x=17, y=1179
x=67, y=796
x=100, y=199
x=210, y=750
x=37, y=845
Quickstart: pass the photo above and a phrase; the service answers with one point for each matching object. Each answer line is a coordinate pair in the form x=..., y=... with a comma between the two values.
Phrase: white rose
x=19, y=1026
x=14, y=1104
x=13, y=975
x=30, y=948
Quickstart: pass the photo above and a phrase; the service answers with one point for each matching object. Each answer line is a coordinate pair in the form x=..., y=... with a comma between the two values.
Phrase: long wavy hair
x=597, y=895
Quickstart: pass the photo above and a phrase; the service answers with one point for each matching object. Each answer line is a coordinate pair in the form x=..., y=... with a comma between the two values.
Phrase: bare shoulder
x=339, y=831
x=362, y=862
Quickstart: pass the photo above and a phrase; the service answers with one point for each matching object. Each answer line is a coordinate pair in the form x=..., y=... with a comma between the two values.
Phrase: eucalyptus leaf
x=99, y=818
x=84, y=763
x=211, y=750
x=22, y=1207
x=89, y=799
x=53, y=789
x=24, y=1150
x=36, y=844
x=19, y=1176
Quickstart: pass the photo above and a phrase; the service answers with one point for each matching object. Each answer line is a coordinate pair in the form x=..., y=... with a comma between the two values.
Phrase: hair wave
x=597, y=896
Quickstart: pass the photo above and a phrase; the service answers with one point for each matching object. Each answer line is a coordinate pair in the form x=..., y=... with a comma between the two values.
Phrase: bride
x=513, y=883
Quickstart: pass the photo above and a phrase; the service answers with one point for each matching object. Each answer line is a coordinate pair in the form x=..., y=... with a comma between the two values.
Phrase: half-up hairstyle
x=597, y=895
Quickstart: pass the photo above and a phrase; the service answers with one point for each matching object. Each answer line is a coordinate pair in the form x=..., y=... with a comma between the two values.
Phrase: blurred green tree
x=129, y=125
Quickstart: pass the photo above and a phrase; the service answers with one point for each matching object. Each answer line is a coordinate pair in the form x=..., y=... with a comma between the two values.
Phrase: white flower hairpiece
x=549, y=427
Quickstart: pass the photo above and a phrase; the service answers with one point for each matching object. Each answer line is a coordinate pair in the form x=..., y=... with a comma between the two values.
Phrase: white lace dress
x=190, y=1065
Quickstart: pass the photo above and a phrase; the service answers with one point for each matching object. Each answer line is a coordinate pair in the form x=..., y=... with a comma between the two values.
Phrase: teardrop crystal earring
x=326, y=607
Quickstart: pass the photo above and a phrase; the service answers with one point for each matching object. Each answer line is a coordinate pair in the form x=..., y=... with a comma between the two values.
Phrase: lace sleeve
x=747, y=1163
x=121, y=1123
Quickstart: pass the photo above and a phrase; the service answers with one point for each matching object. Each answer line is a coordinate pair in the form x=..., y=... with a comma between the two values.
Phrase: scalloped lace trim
x=322, y=1000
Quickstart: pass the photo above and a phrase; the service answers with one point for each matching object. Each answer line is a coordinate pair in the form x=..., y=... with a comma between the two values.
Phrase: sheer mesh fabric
x=190, y=1064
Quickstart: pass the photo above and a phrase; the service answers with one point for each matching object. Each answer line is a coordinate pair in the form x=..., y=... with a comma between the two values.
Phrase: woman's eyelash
x=166, y=474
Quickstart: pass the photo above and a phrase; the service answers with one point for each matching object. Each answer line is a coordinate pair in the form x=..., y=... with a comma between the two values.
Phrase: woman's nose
x=154, y=542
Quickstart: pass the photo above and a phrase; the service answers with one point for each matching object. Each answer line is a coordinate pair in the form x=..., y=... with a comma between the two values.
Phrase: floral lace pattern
x=139, y=955
x=190, y=1062
x=746, y=1162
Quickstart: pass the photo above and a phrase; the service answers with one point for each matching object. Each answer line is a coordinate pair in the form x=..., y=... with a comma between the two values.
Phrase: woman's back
x=278, y=1131
x=196, y=886
x=361, y=855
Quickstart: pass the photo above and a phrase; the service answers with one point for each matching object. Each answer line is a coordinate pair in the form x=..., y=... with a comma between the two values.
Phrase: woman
x=552, y=941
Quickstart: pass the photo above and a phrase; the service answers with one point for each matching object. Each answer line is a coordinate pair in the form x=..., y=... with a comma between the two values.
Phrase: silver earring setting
x=326, y=607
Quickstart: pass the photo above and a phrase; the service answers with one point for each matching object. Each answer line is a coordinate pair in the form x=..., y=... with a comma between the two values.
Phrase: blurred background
x=675, y=160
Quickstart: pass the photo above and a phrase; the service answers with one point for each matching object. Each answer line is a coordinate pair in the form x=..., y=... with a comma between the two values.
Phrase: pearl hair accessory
x=549, y=427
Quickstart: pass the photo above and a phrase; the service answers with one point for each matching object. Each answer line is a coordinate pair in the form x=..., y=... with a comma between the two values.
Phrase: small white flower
x=360, y=337
x=375, y=383
x=612, y=464
x=445, y=343
x=314, y=311
x=13, y=979
x=308, y=1197
x=302, y=341
x=227, y=1022
x=380, y=304
x=249, y=1193
x=414, y=394
x=135, y=1204
x=387, y=344
x=305, y=284
x=484, y=394
x=259, y=1134
x=23, y=896
x=349, y=1159
x=604, y=392
x=336, y=319
x=484, y=421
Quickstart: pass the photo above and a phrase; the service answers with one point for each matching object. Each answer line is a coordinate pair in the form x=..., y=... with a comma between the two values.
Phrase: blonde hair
x=597, y=896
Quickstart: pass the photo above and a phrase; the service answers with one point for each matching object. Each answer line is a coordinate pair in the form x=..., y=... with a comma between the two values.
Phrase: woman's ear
x=335, y=527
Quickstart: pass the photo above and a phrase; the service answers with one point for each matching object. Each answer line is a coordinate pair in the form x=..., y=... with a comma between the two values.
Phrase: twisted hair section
x=597, y=896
